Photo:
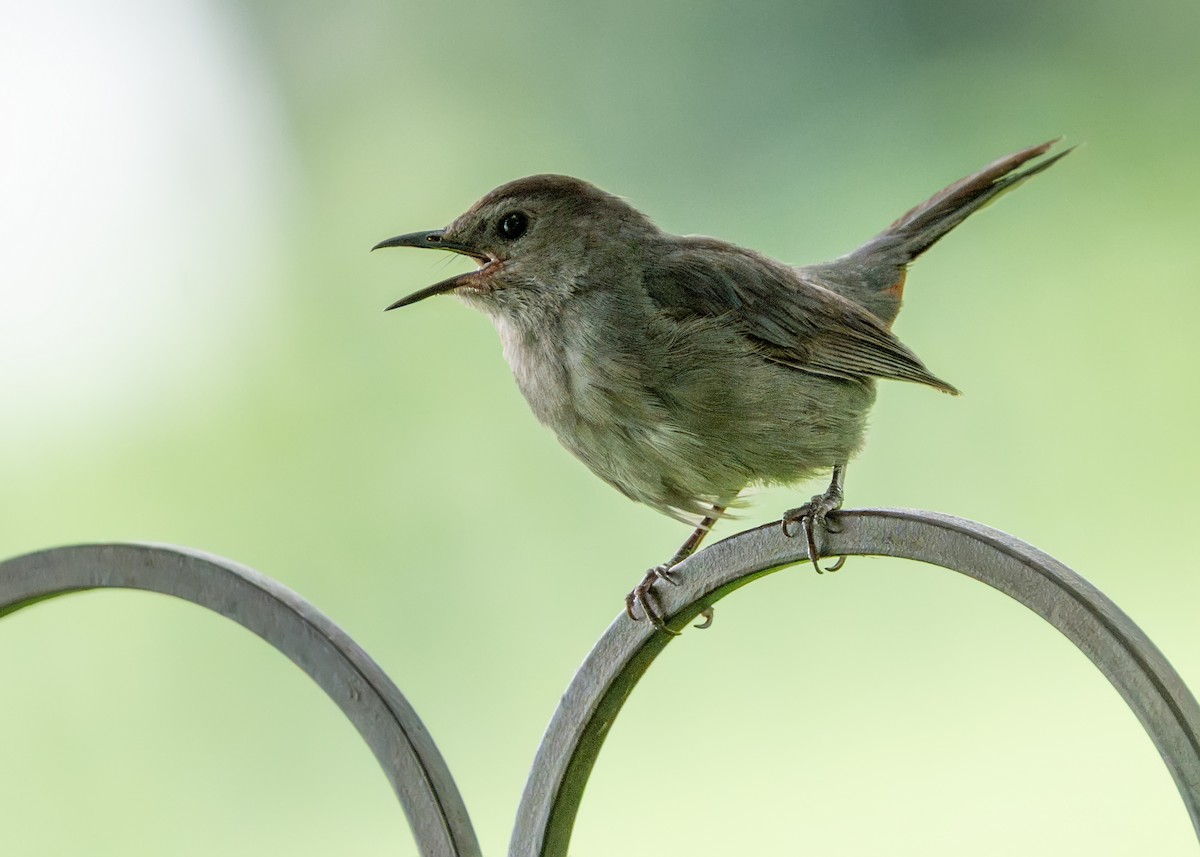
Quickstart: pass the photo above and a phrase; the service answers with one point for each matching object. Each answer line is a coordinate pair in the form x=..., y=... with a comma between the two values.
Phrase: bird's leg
x=643, y=595
x=817, y=509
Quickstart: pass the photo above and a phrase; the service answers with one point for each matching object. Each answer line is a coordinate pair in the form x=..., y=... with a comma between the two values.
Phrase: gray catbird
x=683, y=369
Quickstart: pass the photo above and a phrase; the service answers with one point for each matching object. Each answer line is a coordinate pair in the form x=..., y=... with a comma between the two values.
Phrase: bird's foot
x=816, y=511
x=644, y=597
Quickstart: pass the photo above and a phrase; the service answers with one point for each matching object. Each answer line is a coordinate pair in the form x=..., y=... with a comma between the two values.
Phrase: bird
x=683, y=369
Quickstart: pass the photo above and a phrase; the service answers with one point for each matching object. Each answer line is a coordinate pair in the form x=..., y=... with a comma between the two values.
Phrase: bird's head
x=537, y=241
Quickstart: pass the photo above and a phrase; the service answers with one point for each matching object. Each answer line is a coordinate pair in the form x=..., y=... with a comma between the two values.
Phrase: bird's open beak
x=436, y=240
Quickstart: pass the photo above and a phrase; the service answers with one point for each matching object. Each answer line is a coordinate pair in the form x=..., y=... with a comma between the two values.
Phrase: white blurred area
x=144, y=167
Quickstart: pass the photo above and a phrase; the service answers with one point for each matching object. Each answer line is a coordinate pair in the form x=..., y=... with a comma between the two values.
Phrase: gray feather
x=785, y=318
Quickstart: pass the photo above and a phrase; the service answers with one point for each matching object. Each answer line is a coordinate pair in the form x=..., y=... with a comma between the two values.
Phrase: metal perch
x=545, y=818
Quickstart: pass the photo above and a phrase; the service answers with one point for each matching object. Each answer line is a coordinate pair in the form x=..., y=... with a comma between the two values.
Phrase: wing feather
x=789, y=319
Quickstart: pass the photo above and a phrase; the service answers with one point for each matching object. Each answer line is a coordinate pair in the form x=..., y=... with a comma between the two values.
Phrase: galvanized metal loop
x=1149, y=685
x=564, y=761
x=370, y=700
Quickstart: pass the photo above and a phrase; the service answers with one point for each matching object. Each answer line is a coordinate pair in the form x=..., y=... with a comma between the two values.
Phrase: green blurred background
x=192, y=351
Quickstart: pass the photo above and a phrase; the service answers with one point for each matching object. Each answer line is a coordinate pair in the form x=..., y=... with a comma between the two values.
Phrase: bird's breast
x=537, y=357
x=591, y=386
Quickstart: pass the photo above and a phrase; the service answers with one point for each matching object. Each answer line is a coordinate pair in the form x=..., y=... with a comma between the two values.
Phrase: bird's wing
x=788, y=319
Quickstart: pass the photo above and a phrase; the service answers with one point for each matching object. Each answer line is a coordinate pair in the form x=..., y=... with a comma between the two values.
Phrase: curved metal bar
x=1149, y=684
x=370, y=700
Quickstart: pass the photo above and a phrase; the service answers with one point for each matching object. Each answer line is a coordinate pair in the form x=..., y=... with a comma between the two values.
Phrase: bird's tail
x=919, y=229
x=873, y=275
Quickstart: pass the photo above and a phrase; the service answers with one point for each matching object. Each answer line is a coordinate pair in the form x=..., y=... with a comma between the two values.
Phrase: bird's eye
x=512, y=225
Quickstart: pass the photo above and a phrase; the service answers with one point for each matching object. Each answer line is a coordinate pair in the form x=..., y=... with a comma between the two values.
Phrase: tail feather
x=920, y=228
x=873, y=275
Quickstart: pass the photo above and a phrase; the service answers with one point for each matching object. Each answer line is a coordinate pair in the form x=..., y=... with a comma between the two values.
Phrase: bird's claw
x=664, y=572
x=644, y=596
x=815, y=510
x=838, y=563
